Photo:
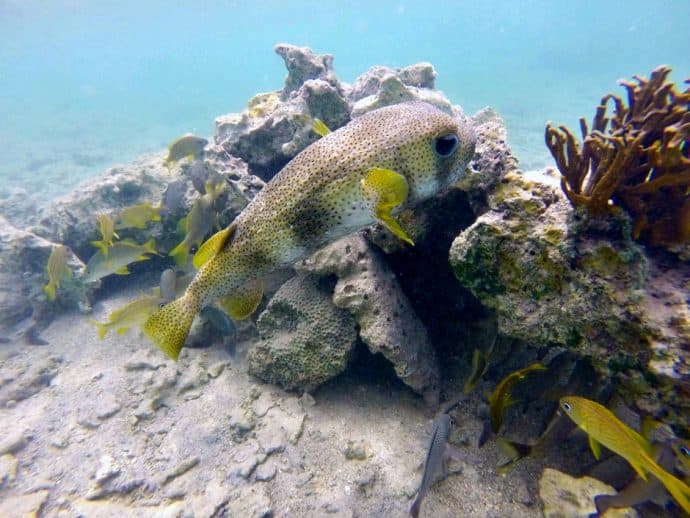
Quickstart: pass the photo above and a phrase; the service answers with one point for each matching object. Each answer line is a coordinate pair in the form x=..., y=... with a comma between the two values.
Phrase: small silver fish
x=167, y=286
x=434, y=465
x=199, y=176
x=174, y=199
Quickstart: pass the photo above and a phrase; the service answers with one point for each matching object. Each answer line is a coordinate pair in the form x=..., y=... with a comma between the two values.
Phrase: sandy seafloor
x=113, y=428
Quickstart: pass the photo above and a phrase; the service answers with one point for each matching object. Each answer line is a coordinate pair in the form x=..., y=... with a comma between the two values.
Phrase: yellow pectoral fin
x=212, y=246
x=387, y=190
x=595, y=446
x=244, y=301
x=320, y=128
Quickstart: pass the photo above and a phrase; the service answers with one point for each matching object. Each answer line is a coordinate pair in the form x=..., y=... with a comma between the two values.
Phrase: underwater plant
x=637, y=159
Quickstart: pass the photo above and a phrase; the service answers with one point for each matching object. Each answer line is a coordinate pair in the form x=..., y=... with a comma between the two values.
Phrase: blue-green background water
x=87, y=84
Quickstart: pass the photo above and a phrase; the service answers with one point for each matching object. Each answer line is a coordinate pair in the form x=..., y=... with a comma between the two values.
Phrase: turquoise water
x=87, y=84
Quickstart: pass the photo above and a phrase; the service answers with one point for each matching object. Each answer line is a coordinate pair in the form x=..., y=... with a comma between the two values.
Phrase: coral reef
x=305, y=339
x=637, y=159
x=368, y=290
x=202, y=438
x=551, y=283
x=278, y=125
x=382, y=86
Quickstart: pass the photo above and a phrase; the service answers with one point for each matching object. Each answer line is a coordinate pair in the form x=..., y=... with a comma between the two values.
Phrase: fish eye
x=567, y=406
x=685, y=451
x=445, y=145
x=161, y=305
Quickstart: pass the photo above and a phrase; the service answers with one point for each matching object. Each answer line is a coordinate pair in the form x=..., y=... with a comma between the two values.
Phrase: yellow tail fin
x=179, y=254
x=678, y=489
x=50, y=290
x=169, y=326
x=102, y=246
x=102, y=328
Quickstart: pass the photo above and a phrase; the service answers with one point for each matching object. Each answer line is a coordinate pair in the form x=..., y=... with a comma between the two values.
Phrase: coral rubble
x=637, y=159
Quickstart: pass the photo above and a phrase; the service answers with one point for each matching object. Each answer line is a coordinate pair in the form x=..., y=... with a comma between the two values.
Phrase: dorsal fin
x=213, y=245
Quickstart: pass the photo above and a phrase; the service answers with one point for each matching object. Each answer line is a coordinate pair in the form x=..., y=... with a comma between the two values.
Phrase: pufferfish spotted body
x=360, y=174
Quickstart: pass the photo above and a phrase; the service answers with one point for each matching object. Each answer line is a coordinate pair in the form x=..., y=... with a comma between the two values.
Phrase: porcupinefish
x=363, y=173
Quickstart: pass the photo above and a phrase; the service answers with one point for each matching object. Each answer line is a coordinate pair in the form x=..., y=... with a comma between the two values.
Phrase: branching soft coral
x=638, y=159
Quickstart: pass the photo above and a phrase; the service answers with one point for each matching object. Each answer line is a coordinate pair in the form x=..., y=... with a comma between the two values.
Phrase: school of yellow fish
x=363, y=173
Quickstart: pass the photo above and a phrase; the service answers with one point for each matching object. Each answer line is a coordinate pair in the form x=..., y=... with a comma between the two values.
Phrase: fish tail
x=416, y=505
x=180, y=253
x=150, y=246
x=102, y=329
x=50, y=290
x=102, y=246
x=169, y=326
x=678, y=489
x=514, y=450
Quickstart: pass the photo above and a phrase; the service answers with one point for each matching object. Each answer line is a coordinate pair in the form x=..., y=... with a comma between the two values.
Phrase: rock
x=266, y=140
x=278, y=125
x=250, y=501
x=15, y=302
x=245, y=468
x=302, y=65
x=383, y=86
x=368, y=290
x=23, y=259
x=365, y=482
x=306, y=400
x=107, y=469
x=493, y=158
x=23, y=505
x=31, y=380
x=144, y=360
x=266, y=472
x=114, y=509
x=421, y=75
x=217, y=369
x=242, y=422
x=180, y=469
x=8, y=469
x=355, y=450
x=305, y=339
x=565, y=496
x=71, y=219
x=13, y=442
x=552, y=281
x=107, y=407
